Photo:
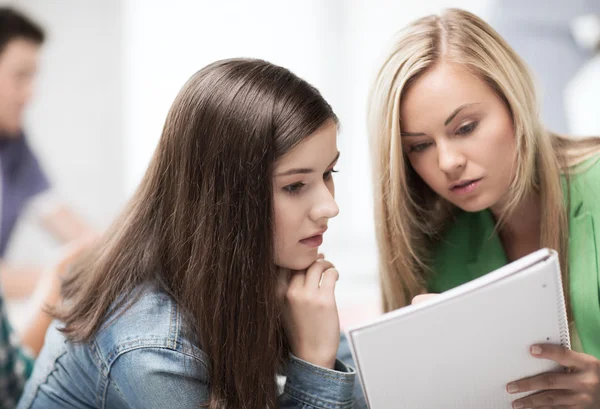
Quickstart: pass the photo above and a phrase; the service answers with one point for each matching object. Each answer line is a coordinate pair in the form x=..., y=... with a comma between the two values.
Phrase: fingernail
x=536, y=350
x=512, y=388
x=518, y=405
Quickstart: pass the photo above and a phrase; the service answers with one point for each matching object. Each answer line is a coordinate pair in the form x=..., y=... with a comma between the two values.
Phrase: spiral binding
x=565, y=339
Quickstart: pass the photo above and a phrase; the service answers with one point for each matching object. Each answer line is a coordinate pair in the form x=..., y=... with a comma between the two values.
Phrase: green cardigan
x=470, y=248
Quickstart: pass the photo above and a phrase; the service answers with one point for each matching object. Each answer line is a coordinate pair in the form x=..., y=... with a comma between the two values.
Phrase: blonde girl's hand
x=577, y=389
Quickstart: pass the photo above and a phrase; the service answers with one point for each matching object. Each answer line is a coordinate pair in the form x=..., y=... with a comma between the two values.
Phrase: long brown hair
x=408, y=214
x=200, y=225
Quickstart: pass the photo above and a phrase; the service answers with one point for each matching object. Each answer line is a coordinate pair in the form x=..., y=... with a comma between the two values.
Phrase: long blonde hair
x=409, y=215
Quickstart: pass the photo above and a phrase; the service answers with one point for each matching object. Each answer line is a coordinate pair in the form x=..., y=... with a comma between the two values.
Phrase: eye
x=420, y=147
x=327, y=175
x=294, y=188
x=467, y=129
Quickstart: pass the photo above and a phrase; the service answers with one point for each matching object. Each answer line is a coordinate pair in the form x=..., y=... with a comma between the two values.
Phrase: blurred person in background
x=23, y=184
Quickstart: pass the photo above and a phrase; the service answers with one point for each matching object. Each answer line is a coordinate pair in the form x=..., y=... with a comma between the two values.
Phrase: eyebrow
x=305, y=171
x=448, y=120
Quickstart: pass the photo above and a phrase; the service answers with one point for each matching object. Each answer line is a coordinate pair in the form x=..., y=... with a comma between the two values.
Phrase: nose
x=450, y=159
x=325, y=206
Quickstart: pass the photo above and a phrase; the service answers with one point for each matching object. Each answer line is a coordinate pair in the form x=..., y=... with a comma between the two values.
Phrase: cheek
x=286, y=221
x=279, y=236
x=290, y=217
x=283, y=244
x=4, y=97
x=9, y=87
x=499, y=130
x=426, y=167
x=501, y=151
x=279, y=218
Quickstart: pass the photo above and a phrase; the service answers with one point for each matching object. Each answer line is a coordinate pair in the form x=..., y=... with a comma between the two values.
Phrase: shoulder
x=22, y=168
x=584, y=181
x=589, y=168
x=152, y=322
x=154, y=377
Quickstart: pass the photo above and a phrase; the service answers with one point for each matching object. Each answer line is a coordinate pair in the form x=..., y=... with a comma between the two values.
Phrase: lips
x=313, y=241
x=463, y=183
x=465, y=187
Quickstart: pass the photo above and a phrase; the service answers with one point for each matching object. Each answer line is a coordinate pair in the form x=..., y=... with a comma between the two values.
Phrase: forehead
x=19, y=51
x=439, y=91
x=313, y=151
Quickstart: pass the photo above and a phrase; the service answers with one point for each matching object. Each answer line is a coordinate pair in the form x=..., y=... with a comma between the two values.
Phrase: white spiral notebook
x=461, y=348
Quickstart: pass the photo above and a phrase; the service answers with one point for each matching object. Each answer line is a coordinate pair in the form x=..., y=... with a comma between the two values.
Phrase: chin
x=473, y=209
x=475, y=205
x=299, y=262
x=11, y=131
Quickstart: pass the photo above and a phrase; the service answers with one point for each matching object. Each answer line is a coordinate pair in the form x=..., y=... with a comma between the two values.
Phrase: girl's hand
x=310, y=314
x=577, y=389
x=422, y=297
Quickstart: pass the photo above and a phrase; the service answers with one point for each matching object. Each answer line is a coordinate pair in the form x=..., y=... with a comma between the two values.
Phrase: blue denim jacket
x=141, y=360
